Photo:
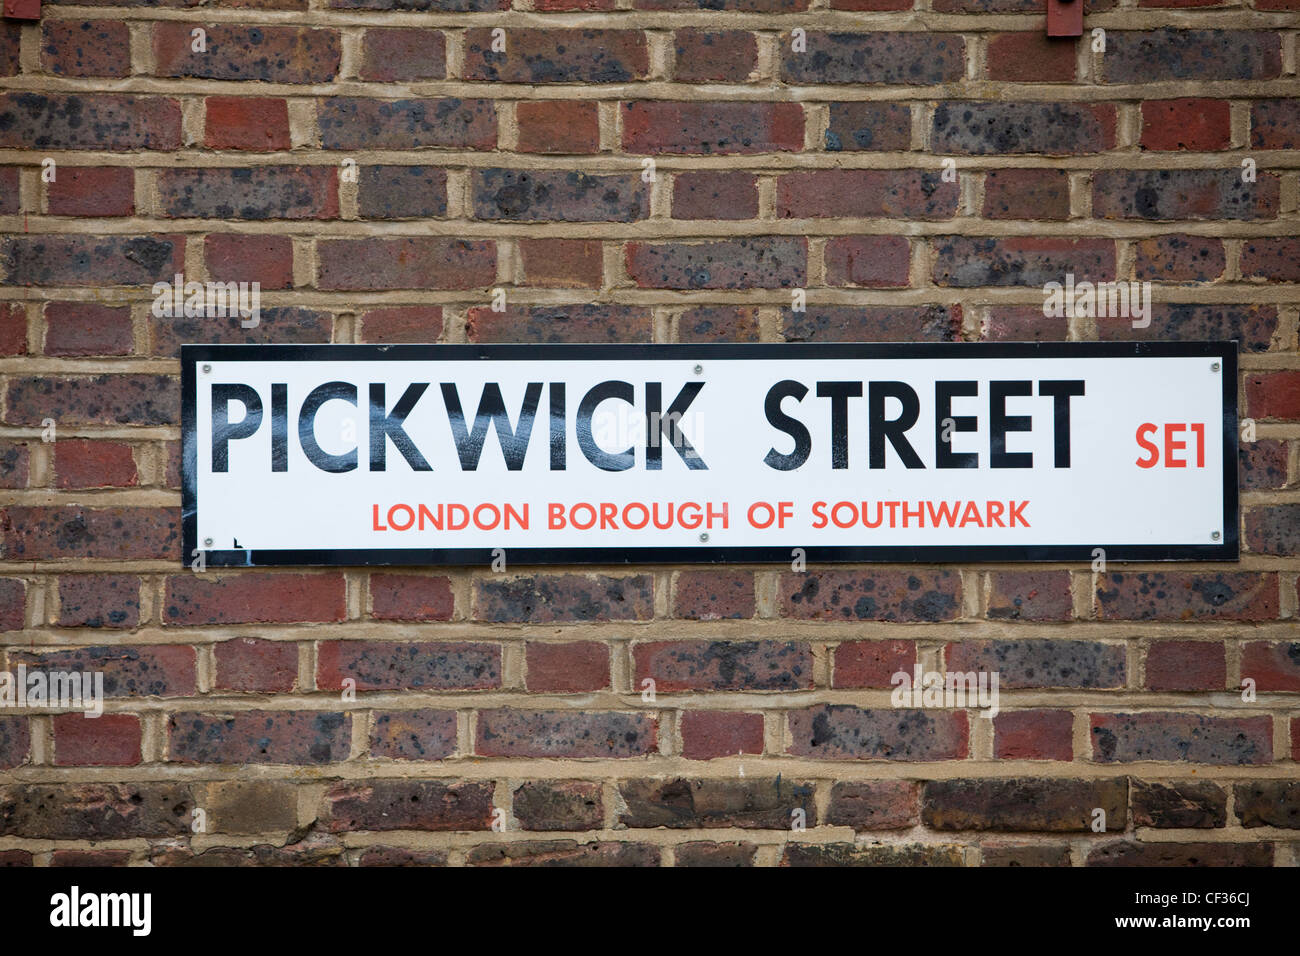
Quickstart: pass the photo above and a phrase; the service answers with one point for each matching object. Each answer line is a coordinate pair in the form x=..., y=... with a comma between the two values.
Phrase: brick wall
x=525, y=170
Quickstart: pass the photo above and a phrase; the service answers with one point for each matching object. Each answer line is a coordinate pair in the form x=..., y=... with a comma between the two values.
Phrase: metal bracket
x=1065, y=18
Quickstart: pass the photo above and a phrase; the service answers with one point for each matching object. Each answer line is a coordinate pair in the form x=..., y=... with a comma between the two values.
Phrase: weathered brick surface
x=644, y=172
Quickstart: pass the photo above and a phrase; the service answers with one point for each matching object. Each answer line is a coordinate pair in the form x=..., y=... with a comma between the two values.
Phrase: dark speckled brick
x=91, y=260
x=865, y=854
x=559, y=805
x=407, y=665
x=402, y=192
x=912, y=58
x=559, y=195
x=534, y=733
x=1253, y=326
x=1188, y=596
x=1275, y=124
x=1024, y=803
x=760, y=262
x=1055, y=129
x=86, y=47
x=558, y=56
x=146, y=671
x=842, y=732
x=118, y=534
x=272, y=54
x=1269, y=803
x=542, y=599
x=1126, y=853
x=91, y=121
x=287, y=325
x=1042, y=662
x=1167, y=54
x=15, y=742
x=413, y=734
x=364, y=123
x=725, y=665
x=920, y=595
x=259, y=736
x=10, y=38
x=873, y=323
x=409, y=805
x=438, y=6
x=704, y=853
x=548, y=853
x=1188, y=738
x=1263, y=464
x=748, y=804
x=96, y=811
x=869, y=126
x=1183, y=194
x=268, y=192
x=966, y=261
x=560, y=323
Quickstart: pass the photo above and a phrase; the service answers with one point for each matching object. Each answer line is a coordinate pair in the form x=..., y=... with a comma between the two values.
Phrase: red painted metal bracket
x=1065, y=18
x=23, y=9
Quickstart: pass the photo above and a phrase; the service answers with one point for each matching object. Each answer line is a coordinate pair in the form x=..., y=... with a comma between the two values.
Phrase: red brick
x=562, y=323
x=1273, y=665
x=872, y=663
x=272, y=54
x=917, y=595
x=94, y=858
x=573, y=734
x=1295, y=738
x=1180, y=258
x=86, y=47
x=110, y=740
x=658, y=126
x=409, y=805
x=253, y=665
x=711, y=733
x=92, y=191
x=411, y=323
x=876, y=262
x=562, y=263
x=568, y=668
x=1016, y=323
x=874, y=805
x=255, y=124
x=261, y=597
x=90, y=260
x=45, y=532
x=406, y=665
x=15, y=742
x=558, y=56
x=408, y=597
x=13, y=323
x=715, y=195
x=267, y=260
x=865, y=193
x=1033, y=735
x=424, y=262
x=1031, y=57
x=394, y=55
x=767, y=665
x=1273, y=395
x=1186, y=665
x=13, y=602
x=88, y=121
x=87, y=328
x=154, y=670
x=1027, y=194
x=1195, y=124
x=719, y=324
x=1031, y=596
x=86, y=463
x=715, y=56
x=1276, y=259
x=259, y=737
x=557, y=126
x=714, y=595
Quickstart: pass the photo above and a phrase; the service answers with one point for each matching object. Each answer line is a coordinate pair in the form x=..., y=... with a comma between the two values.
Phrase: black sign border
x=1225, y=550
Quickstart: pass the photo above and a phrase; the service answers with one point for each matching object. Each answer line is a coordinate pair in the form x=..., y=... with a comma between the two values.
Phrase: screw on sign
x=23, y=9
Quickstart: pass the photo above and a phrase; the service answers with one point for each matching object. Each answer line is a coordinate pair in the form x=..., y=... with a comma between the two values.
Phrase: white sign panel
x=455, y=453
